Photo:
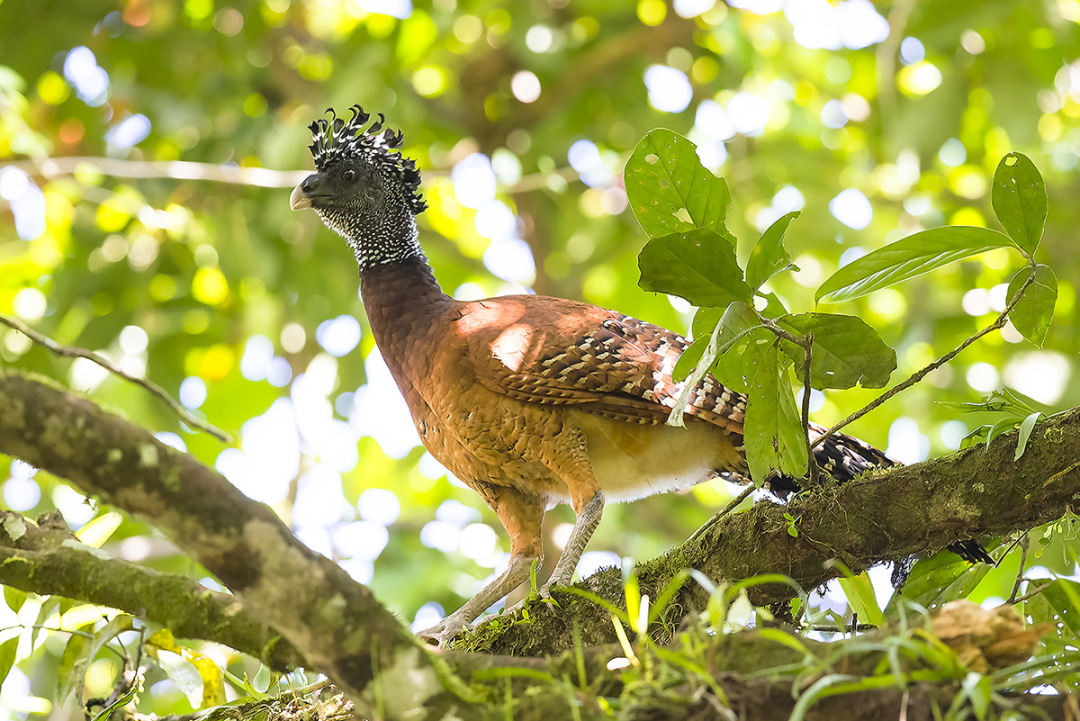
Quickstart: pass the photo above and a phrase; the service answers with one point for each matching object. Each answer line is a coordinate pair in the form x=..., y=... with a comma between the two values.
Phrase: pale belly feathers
x=634, y=461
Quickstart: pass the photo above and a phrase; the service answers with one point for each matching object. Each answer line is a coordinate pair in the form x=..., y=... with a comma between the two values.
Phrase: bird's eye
x=349, y=176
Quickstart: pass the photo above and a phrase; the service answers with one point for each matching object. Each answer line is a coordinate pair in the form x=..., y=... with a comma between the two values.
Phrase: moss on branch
x=883, y=515
x=47, y=559
x=334, y=622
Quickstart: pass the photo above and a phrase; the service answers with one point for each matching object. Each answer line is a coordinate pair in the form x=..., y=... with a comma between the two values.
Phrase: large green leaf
x=73, y=662
x=1063, y=596
x=846, y=351
x=908, y=258
x=860, y=594
x=78, y=656
x=670, y=190
x=936, y=580
x=773, y=437
x=1019, y=200
x=744, y=342
x=1035, y=311
x=698, y=265
x=769, y=256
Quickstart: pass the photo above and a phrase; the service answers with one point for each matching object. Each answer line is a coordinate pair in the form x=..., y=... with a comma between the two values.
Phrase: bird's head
x=362, y=188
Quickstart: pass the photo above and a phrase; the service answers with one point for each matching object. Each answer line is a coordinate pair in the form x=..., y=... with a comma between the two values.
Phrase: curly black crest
x=335, y=139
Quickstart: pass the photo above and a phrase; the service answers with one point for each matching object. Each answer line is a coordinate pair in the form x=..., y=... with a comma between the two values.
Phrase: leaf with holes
x=670, y=190
x=1019, y=199
x=774, y=436
x=846, y=351
x=1033, y=314
x=743, y=342
x=698, y=265
x=769, y=256
x=908, y=258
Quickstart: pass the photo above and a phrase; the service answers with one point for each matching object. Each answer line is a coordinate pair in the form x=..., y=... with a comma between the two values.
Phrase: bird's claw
x=441, y=633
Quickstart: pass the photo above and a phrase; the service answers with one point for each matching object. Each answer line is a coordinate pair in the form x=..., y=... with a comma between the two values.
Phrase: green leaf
x=846, y=351
x=1064, y=597
x=744, y=342
x=977, y=689
x=698, y=265
x=686, y=363
x=937, y=579
x=774, y=307
x=860, y=594
x=83, y=654
x=49, y=606
x=769, y=256
x=14, y=597
x=1019, y=200
x=670, y=190
x=705, y=320
x=184, y=674
x=73, y=664
x=1032, y=315
x=774, y=434
x=8, y=649
x=908, y=258
x=1000, y=428
x=1026, y=427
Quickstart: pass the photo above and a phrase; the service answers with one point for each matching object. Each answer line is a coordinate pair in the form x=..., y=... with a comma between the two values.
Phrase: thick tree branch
x=883, y=515
x=336, y=623
x=342, y=630
x=48, y=560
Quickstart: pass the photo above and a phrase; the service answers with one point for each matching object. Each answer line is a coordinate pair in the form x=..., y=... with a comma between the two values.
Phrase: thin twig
x=217, y=173
x=723, y=512
x=1020, y=573
x=781, y=333
x=174, y=169
x=811, y=461
x=73, y=352
x=847, y=628
x=1036, y=592
x=920, y=374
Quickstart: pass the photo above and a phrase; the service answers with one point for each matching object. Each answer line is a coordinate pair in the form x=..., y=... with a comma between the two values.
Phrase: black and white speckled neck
x=379, y=235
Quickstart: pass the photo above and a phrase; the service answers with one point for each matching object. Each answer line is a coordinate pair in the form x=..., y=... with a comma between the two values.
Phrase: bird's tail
x=844, y=457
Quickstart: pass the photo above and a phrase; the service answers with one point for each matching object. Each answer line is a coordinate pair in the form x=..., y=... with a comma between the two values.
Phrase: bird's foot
x=441, y=633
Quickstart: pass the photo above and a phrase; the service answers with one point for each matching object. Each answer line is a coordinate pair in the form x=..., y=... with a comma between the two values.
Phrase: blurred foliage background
x=147, y=148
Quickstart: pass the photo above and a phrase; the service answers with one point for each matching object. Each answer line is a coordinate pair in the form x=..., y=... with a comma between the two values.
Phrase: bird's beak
x=311, y=187
x=299, y=200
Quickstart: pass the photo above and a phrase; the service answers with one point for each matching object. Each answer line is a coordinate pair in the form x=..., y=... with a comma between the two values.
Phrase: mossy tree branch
x=48, y=560
x=334, y=622
x=885, y=515
x=343, y=631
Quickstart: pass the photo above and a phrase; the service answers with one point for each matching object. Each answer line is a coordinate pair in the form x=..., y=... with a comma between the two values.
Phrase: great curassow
x=529, y=400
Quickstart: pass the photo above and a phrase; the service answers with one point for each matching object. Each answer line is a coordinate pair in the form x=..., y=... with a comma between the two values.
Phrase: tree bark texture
x=334, y=622
x=342, y=630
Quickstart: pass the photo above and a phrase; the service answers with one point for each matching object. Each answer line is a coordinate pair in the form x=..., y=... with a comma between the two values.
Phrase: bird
x=531, y=401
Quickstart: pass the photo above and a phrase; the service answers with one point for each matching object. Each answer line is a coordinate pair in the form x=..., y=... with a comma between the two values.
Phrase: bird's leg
x=521, y=516
x=588, y=518
x=514, y=575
